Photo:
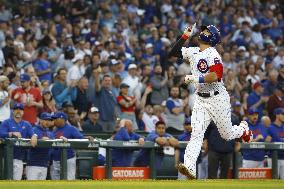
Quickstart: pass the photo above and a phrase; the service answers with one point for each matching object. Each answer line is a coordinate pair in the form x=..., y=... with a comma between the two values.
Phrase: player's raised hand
x=189, y=30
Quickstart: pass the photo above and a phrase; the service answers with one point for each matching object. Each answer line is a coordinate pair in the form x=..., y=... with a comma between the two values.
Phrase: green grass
x=149, y=184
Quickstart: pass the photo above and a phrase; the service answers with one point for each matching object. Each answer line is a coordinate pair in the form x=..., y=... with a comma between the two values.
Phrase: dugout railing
x=7, y=147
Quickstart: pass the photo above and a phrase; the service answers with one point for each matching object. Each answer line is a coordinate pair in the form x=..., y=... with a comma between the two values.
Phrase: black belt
x=206, y=95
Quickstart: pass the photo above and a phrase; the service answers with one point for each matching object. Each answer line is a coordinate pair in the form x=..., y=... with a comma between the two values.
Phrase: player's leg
x=32, y=173
x=43, y=173
x=71, y=168
x=225, y=164
x=18, y=168
x=55, y=170
x=213, y=164
x=219, y=108
x=200, y=120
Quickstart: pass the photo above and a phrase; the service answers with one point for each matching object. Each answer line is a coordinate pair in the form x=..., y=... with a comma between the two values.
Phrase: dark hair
x=60, y=69
x=160, y=123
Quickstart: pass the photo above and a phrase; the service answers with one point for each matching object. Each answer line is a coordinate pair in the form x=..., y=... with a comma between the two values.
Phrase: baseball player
x=38, y=157
x=64, y=131
x=16, y=127
x=212, y=101
x=254, y=158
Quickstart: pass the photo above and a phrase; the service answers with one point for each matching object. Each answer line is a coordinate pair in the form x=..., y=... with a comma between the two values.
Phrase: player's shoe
x=185, y=171
x=247, y=135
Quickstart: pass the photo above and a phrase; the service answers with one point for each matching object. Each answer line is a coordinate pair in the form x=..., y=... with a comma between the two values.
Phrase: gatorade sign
x=255, y=173
x=122, y=172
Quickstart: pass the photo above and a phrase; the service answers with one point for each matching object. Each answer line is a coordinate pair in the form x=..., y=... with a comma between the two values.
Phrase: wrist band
x=184, y=36
x=201, y=79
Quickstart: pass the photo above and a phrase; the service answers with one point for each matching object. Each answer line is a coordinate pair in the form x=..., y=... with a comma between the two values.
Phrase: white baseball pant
x=218, y=109
x=36, y=173
x=252, y=164
x=71, y=169
x=18, y=167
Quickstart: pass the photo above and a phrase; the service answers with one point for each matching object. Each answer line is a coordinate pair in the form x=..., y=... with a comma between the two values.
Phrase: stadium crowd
x=91, y=64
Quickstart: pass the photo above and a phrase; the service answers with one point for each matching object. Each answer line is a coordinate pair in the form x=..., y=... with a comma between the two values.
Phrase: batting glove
x=189, y=30
x=191, y=79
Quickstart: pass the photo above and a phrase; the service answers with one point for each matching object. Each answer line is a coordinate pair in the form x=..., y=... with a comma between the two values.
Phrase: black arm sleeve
x=176, y=48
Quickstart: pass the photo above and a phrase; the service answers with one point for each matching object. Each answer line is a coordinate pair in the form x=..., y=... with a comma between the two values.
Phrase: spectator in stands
x=161, y=138
x=275, y=134
x=256, y=99
x=81, y=102
x=175, y=111
x=73, y=116
x=123, y=157
x=42, y=66
x=276, y=100
x=91, y=125
x=220, y=153
x=61, y=92
x=30, y=97
x=127, y=105
x=270, y=84
x=148, y=117
x=105, y=101
x=279, y=59
x=38, y=158
x=132, y=81
x=16, y=127
x=254, y=158
x=74, y=73
x=179, y=153
x=4, y=98
x=48, y=101
x=64, y=131
x=159, y=84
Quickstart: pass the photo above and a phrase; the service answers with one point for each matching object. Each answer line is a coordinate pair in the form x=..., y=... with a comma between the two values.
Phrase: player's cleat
x=185, y=171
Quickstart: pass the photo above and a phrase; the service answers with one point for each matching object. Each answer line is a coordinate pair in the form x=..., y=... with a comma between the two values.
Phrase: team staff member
x=38, y=158
x=16, y=127
x=254, y=158
x=121, y=157
x=64, y=131
x=276, y=134
x=161, y=138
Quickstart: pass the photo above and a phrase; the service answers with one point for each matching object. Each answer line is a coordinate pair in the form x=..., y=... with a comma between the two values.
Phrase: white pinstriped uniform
x=215, y=107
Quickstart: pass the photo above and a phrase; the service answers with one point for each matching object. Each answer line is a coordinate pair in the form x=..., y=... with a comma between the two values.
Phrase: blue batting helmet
x=212, y=39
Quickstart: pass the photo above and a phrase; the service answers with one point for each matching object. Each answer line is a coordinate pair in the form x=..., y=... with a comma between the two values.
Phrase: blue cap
x=18, y=106
x=187, y=121
x=60, y=115
x=252, y=111
x=45, y=116
x=278, y=111
x=25, y=77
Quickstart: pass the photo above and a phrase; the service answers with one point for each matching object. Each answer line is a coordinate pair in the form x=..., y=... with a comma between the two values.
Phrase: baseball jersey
x=202, y=63
x=255, y=155
x=183, y=137
x=39, y=156
x=24, y=127
x=143, y=158
x=277, y=134
x=123, y=157
x=69, y=132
